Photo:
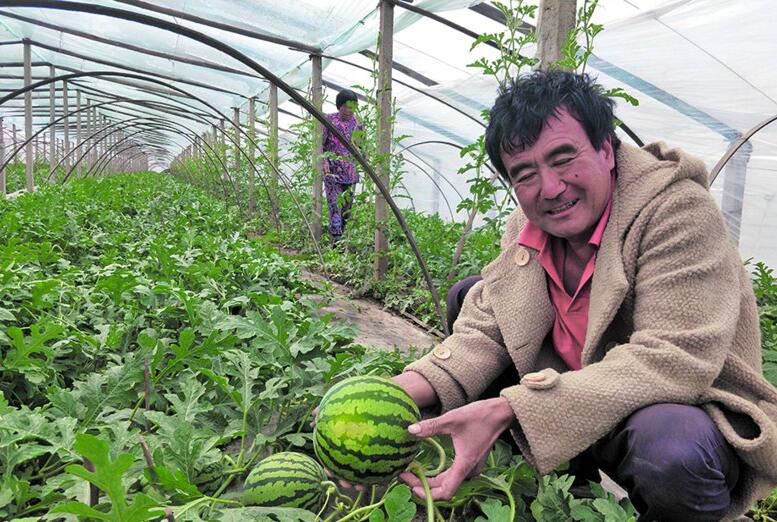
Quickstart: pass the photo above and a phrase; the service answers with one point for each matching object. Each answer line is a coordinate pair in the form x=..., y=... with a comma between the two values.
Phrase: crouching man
x=624, y=307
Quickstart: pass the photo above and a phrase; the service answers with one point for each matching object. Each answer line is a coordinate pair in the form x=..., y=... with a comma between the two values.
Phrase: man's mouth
x=562, y=208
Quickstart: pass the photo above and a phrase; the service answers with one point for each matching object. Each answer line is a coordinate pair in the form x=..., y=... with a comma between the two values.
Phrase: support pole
x=274, y=143
x=78, y=128
x=236, y=125
x=555, y=21
x=252, y=155
x=383, y=170
x=2, y=159
x=318, y=146
x=66, y=121
x=732, y=202
x=52, y=117
x=28, y=114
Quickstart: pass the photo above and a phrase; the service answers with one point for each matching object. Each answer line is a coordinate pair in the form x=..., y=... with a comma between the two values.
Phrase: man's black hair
x=522, y=109
x=344, y=97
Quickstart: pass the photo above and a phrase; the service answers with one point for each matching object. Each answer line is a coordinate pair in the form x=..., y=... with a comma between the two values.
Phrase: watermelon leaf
x=494, y=511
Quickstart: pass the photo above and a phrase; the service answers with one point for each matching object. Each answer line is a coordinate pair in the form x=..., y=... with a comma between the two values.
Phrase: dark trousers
x=338, y=215
x=670, y=458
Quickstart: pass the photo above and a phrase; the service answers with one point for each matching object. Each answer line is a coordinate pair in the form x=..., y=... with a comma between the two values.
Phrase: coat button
x=522, y=257
x=534, y=377
x=441, y=352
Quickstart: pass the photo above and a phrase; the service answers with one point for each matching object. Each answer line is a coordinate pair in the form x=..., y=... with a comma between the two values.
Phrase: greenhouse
x=393, y=260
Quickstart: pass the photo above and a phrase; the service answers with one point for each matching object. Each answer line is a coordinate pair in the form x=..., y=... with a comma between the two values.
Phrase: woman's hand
x=474, y=429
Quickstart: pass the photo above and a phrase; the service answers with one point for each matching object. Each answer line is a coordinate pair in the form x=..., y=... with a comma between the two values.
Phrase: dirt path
x=376, y=327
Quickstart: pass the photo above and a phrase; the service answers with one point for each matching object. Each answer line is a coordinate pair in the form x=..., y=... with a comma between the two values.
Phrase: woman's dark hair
x=345, y=96
x=522, y=109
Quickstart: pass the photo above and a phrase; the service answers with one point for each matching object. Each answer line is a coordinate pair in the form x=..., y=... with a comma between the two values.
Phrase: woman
x=340, y=174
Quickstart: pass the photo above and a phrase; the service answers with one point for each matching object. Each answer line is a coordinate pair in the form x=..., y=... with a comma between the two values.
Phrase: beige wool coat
x=672, y=318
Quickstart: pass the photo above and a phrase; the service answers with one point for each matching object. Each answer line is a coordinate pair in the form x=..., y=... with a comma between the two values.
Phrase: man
x=624, y=307
x=340, y=174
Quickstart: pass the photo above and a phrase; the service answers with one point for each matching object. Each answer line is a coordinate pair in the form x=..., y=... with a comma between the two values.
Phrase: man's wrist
x=418, y=387
x=501, y=412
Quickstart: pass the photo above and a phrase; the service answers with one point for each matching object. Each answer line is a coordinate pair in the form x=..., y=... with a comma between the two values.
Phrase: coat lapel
x=521, y=305
x=609, y=284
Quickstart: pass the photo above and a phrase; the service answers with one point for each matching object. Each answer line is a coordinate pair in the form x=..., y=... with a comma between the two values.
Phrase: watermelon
x=285, y=479
x=209, y=478
x=361, y=430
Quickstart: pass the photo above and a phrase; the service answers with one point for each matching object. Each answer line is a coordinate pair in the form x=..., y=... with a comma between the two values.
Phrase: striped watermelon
x=209, y=478
x=285, y=479
x=361, y=429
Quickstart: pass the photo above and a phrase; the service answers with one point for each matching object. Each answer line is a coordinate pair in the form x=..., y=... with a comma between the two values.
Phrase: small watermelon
x=285, y=479
x=361, y=430
x=209, y=478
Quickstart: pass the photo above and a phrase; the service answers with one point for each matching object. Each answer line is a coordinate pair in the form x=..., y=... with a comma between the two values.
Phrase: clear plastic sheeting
x=702, y=70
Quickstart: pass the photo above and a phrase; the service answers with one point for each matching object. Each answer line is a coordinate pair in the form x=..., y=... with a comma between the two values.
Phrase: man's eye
x=523, y=178
x=562, y=161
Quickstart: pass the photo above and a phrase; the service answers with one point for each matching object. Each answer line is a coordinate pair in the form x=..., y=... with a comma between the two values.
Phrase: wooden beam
x=2, y=159
x=252, y=155
x=52, y=117
x=317, y=98
x=274, y=152
x=28, y=115
x=383, y=170
x=555, y=21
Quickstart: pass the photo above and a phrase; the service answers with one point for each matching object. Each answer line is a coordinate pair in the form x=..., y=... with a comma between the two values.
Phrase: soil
x=376, y=326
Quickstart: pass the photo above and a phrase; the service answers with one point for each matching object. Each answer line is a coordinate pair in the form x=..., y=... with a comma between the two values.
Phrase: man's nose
x=552, y=184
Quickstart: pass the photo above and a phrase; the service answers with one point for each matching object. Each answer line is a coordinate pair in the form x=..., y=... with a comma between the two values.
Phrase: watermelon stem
x=442, y=457
x=331, y=489
x=419, y=471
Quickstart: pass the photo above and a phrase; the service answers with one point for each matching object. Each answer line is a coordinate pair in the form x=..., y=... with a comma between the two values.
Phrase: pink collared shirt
x=571, y=320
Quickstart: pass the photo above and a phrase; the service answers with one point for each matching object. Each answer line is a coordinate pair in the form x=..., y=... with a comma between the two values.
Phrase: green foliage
x=137, y=304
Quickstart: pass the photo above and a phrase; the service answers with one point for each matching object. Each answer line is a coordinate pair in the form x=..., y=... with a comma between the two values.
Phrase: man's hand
x=473, y=428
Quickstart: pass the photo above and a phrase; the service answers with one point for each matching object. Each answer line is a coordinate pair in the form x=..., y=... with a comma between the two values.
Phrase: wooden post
x=236, y=125
x=78, y=132
x=52, y=117
x=318, y=146
x=28, y=114
x=556, y=19
x=252, y=155
x=385, y=63
x=2, y=159
x=274, y=153
x=66, y=108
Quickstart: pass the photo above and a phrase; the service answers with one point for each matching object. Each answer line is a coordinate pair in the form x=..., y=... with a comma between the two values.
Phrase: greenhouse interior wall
x=701, y=72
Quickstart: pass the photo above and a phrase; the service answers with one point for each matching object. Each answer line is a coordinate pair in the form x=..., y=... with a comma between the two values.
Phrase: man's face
x=562, y=182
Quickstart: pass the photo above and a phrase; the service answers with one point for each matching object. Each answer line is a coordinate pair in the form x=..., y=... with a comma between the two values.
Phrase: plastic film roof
x=702, y=70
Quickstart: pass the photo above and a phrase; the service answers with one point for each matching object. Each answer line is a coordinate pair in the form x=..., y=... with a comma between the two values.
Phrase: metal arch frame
x=43, y=129
x=439, y=189
x=99, y=74
x=226, y=49
x=734, y=147
x=162, y=122
x=456, y=145
x=102, y=163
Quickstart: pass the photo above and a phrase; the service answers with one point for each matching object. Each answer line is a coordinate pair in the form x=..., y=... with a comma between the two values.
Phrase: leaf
x=611, y=510
x=494, y=511
x=107, y=474
x=6, y=315
x=262, y=514
x=398, y=504
x=189, y=407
